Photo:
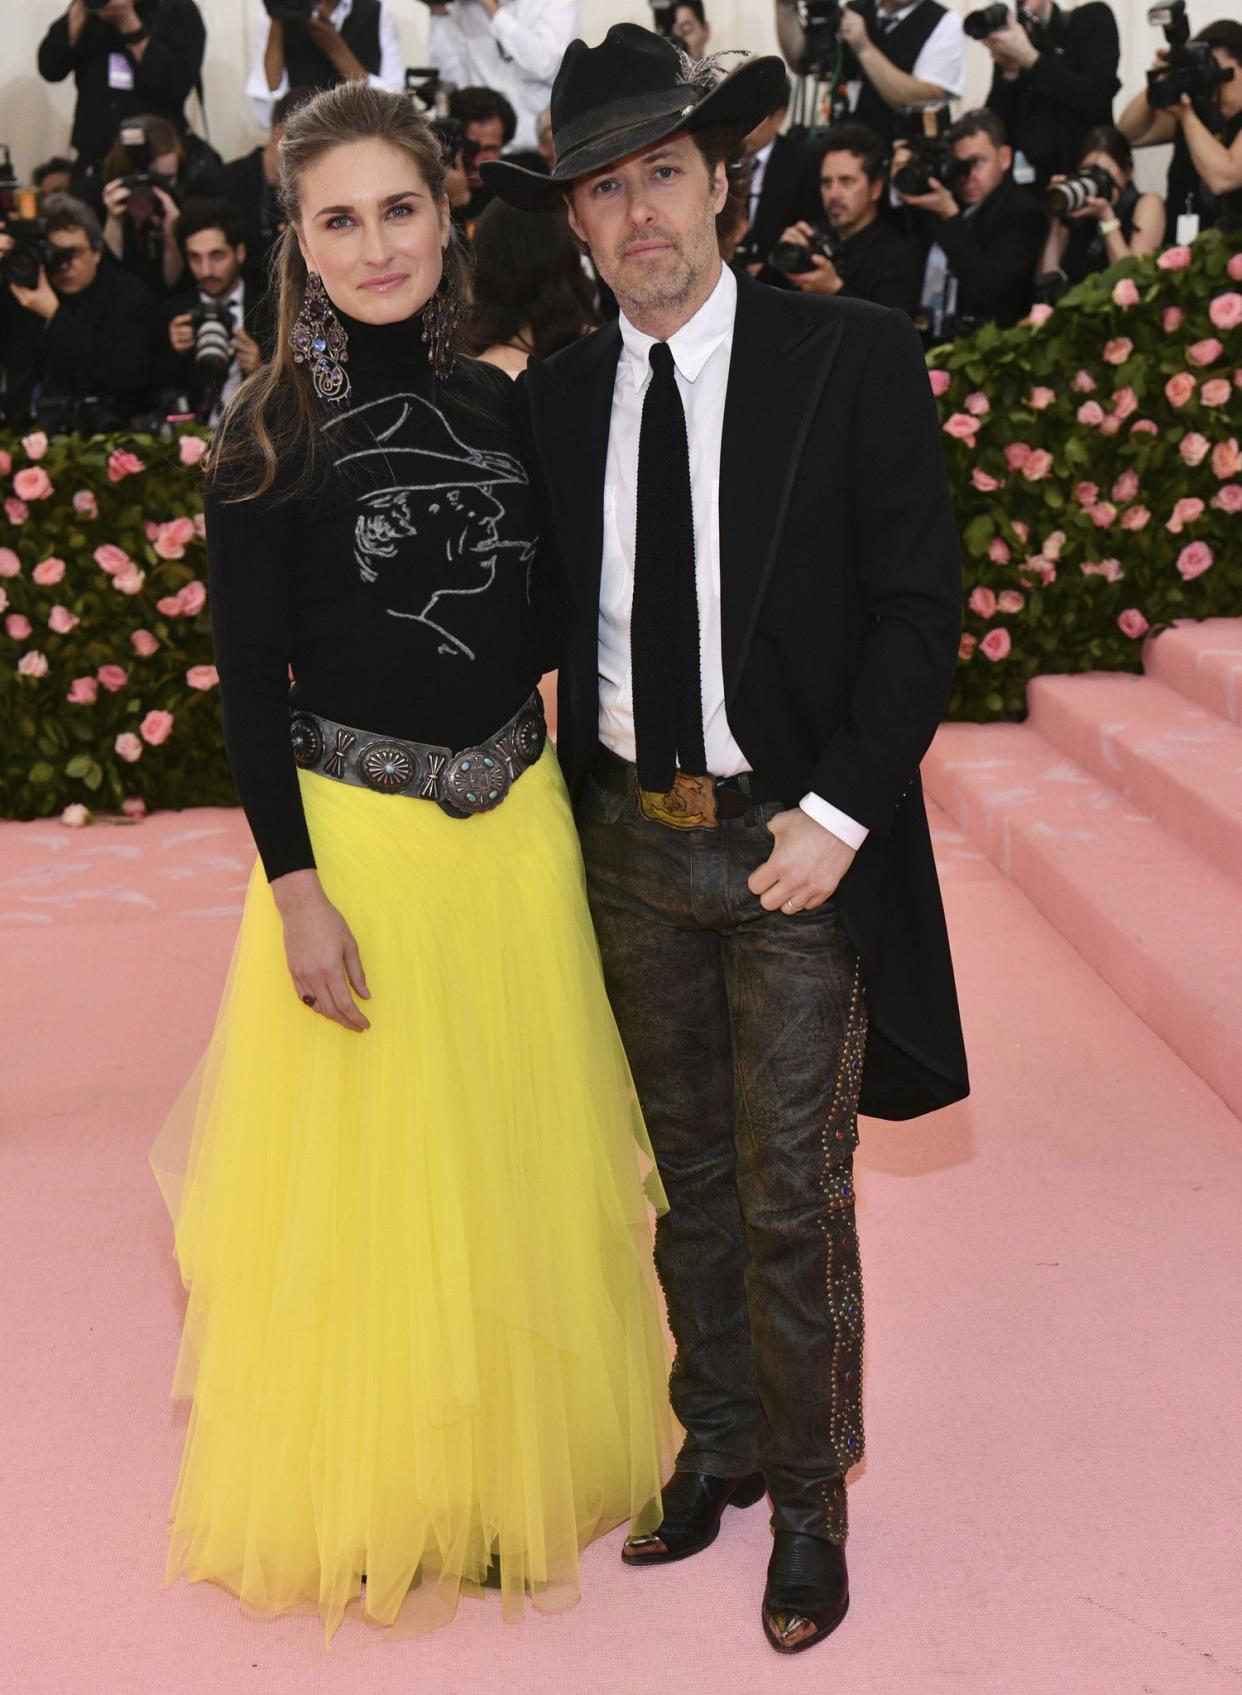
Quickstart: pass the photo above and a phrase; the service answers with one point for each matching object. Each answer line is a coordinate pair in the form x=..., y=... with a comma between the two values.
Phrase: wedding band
x=308, y=1000
x=790, y=907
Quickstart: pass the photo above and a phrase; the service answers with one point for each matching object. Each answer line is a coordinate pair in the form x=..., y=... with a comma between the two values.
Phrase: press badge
x=1023, y=170
x=120, y=71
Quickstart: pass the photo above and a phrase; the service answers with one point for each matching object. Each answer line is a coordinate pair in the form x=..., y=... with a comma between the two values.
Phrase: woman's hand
x=321, y=951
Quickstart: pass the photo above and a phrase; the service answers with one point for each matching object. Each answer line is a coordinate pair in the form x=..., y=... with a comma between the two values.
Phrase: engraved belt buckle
x=689, y=805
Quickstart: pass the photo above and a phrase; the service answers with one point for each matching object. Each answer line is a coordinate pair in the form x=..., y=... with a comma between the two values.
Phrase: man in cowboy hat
x=746, y=490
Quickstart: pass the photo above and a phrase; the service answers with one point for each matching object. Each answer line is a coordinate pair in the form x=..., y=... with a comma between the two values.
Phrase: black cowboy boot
x=807, y=1593
x=693, y=1505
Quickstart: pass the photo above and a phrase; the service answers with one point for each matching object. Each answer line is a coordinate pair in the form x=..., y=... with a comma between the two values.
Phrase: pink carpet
x=1051, y=1498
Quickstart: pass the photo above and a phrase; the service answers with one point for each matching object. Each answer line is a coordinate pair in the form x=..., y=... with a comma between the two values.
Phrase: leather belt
x=694, y=803
x=462, y=784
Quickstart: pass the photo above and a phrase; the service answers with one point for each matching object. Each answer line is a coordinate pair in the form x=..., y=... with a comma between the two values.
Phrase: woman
x=531, y=294
x=421, y=1340
x=140, y=217
x=1124, y=225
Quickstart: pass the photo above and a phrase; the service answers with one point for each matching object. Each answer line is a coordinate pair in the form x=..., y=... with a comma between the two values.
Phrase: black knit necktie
x=664, y=621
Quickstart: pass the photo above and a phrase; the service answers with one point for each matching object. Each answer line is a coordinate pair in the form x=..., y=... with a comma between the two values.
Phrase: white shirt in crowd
x=236, y=301
x=942, y=57
x=702, y=350
x=517, y=53
x=391, y=74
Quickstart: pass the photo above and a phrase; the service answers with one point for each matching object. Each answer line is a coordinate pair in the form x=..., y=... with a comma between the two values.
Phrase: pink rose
x=1125, y=403
x=1009, y=600
x=169, y=606
x=1083, y=382
x=128, y=746
x=1091, y=413
x=10, y=564
x=1228, y=498
x=1109, y=569
x=1227, y=458
x=16, y=511
x=1144, y=427
x=1037, y=466
x=35, y=444
x=193, y=598
x=133, y=806
x=1194, y=559
x=1111, y=424
x=1054, y=544
x=996, y=644
x=75, y=816
x=1171, y=319
x=122, y=464
x=151, y=529
x=1086, y=494
x=939, y=381
x=1040, y=399
x=1118, y=350
x=962, y=426
x=1125, y=294
x=171, y=538
x=200, y=526
x=1132, y=623
x=1017, y=454
x=967, y=645
x=1216, y=392
x=1174, y=259
x=978, y=405
x=1126, y=486
x=143, y=643
x=1179, y=389
x=1102, y=515
x=1135, y=518
x=1205, y=352
x=1037, y=570
x=1225, y=312
x=998, y=551
x=33, y=484
x=202, y=676
x=982, y=481
x=982, y=602
x=4, y=600
x=1234, y=267
x=85, y=504
x=111, y=559
x=1193, y=447
x=1038, y=315
x=83, y=691
x=191, y=449
x=1185, y=512
x=156, y=728
x=17, y=626
x=48, y=572
x=6, y=462
x=130, y=580
x=113, y=677
x=61, y=620
x=32, y=664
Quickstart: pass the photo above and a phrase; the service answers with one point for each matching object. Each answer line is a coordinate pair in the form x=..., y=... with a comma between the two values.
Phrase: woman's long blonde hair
x=276, y=410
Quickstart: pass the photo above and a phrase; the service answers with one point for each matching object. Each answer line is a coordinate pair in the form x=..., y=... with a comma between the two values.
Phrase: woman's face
x=372, y=231
x=1106, y=162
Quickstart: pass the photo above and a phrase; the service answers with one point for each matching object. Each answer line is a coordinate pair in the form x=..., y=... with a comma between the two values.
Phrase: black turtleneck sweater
x=397, y=592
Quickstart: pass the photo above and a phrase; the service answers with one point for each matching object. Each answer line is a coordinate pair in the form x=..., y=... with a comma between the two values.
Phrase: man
x=340, y=41
x=690, y=28
x=512, y=46
x=1055, y=77
x=54, y=176
x=873, y=261
x=899, y=53
x=778, y=165
x=983, y=238
x=249, y=184
x=488, y=126
x=211, y=239
x=755, y=478
x=82, y=332
x=127, y=57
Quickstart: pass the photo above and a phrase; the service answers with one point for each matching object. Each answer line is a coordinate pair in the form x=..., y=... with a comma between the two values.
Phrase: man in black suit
x=778, y=162
x=763, y=605
x=983, y=237
x=207, y=370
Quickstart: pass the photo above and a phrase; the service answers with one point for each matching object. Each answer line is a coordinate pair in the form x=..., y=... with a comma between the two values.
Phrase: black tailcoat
x=841, y=611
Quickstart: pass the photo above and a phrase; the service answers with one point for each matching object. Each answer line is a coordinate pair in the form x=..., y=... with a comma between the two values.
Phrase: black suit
x=993, y=253
x=97, y=344
x=1067, y=91
x=780, y=196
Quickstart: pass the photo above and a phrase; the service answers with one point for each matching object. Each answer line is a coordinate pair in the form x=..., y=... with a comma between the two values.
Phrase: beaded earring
x=440, y=317
x=319, y=340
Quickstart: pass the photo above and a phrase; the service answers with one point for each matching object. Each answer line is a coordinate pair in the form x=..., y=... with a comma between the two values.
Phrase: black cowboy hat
x=624, y=95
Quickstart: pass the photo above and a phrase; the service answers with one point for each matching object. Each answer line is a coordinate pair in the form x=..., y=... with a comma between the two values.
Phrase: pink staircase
x=1117, y=809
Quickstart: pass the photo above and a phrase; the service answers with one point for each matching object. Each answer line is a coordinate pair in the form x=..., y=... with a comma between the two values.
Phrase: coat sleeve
x=1085, y=78
x=56, y=58
x=909, y=570
x=173, y=60
x=986, y=273
x=116, y=353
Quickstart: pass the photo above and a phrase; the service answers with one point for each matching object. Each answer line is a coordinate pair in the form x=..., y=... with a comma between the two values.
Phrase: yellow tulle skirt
x=422, y=1336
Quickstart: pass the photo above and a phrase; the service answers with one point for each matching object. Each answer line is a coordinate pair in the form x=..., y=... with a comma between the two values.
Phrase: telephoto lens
x=1092, y=183
x=979, y=25
x=213, y=340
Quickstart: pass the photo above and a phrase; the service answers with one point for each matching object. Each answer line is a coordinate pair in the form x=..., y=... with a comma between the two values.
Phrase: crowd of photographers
x=133, y=269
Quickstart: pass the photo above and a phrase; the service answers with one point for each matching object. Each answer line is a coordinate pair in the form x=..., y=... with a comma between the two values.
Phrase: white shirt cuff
x=840, y=824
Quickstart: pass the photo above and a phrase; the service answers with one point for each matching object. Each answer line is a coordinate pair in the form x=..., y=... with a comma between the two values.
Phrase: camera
x=821, y=22
x=1093, y=182
x=1191, y=67
x=212, y=324
x=793, y=258
x=289, y=11
x=979, y=25
x=59, y=414
x=19, y=219
x=663, y=15
x=923, y=130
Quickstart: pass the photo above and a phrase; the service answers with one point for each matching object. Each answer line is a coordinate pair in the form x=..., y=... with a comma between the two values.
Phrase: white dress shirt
x=517, y=53
x=391, y=74
x=702, y=350
x=942, y=57
x=233, y=381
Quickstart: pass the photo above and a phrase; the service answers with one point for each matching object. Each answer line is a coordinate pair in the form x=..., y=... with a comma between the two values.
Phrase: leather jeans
x=745, y=1032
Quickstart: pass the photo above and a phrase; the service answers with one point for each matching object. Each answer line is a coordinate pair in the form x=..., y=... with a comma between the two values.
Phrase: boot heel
x=750, y=1490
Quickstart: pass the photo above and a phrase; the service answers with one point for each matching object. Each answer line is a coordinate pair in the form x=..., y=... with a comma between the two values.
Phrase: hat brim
x=744, y=98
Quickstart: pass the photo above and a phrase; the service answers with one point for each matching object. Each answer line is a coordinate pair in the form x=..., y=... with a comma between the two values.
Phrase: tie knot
x=661, y=358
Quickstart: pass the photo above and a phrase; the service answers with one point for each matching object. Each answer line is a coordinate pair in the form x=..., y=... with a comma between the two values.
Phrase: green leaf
x=977, y=534
x=41, y=773
x=79, y=765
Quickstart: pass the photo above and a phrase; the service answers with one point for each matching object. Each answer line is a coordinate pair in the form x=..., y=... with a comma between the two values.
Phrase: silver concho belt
x=461, y=784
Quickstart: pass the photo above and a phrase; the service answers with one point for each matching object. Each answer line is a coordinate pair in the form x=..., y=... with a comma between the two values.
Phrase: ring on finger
x=791, y=908
x=309, y=1000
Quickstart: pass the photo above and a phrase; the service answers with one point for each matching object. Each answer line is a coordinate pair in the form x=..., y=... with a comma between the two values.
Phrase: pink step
x=1173, y=759
x=1203, y=662
x=1158, y=922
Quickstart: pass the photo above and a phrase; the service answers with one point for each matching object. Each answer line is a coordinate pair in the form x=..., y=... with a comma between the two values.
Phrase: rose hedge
x=1097, y=476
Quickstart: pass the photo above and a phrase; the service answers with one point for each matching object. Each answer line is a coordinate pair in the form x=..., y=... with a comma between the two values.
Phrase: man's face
x=988, y=164
x=214, y=265
x=850, y=199
x=486, y=137
x=650, y=223
x=690, y=32
x=55, y=182
x=77, y=262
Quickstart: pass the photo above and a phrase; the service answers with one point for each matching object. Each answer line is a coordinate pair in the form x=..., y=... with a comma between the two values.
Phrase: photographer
x=896, y=55
x=870, y=260
x=126, y=57
x=690, y=28
x=249, y=184
x=82, y=329
x=1097, y=229
x=203, y=356
x=488, y=124
x=513, y=46
x=983, y=237
x=1055, y=77
x=146, y=176
x=314, y=44
x=1203, y=123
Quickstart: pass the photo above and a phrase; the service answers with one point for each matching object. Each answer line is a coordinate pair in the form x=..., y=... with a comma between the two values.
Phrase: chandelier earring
x=441, y=315
x=319, y=340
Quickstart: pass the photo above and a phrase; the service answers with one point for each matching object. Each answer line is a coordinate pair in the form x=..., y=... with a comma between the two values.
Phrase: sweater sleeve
x=249, y=555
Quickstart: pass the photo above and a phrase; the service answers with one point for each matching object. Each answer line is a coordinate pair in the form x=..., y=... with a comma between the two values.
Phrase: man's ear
x=241, y=253
x=720, y=185
x=1006, y=159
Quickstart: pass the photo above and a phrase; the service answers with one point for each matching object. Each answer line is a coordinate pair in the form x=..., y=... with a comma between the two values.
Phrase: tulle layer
x=422, y=1336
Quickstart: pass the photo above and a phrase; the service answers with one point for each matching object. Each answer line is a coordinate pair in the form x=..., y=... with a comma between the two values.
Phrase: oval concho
x=386, y=766
x=307, y=739
x=475, y=781
x=529, y=735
